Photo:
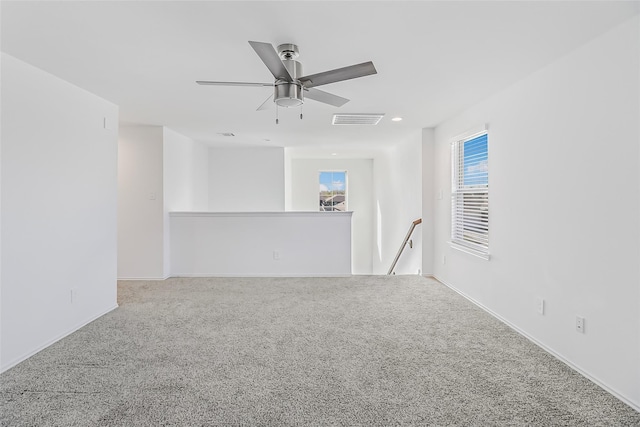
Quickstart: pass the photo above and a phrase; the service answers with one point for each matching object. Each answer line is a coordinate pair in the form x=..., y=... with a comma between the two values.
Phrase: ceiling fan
x=290, y=86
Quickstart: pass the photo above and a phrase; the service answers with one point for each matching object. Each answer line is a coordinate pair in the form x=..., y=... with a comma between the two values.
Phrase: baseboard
x=261, y=275
x=54, y=340
x=592, y=378
x=143, y=278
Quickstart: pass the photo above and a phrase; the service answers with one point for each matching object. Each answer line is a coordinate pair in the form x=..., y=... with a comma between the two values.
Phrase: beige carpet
x=367, y=350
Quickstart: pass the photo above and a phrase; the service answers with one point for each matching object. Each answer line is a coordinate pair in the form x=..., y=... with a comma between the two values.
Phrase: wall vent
x=356, y=119
x=226, y=134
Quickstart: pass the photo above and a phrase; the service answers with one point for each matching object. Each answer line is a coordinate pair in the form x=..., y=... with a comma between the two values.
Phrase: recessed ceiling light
x=396, y=119
x=334, y=154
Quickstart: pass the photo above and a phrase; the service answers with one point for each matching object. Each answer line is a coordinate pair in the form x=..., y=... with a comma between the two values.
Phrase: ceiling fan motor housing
x=289, y=93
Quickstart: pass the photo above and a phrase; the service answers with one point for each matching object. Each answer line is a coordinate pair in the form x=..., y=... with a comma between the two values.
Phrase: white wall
x=565, y=206
x=58, y=222
x=140, y=203
x=160, y=171
x=397, y=177
x=305, y=187
x=429, y=197
x=186, y=177
x=185, y=181
x=246, y=179
x=261, y=244
x=288, y=184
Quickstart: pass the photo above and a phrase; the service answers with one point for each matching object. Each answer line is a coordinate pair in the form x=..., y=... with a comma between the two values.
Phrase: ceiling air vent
x=226, y=134
x=356, y=119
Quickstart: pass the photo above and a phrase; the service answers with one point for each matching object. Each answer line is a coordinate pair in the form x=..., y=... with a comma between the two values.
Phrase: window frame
x=476, y=222
x=346, y=187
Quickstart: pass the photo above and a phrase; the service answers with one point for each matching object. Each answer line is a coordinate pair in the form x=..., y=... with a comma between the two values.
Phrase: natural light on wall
x=379, y=230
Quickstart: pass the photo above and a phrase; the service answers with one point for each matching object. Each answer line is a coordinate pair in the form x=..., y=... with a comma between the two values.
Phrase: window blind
x=470, y=193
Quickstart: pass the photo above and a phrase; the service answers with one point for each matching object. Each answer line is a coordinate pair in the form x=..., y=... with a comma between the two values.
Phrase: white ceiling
x=434, y=59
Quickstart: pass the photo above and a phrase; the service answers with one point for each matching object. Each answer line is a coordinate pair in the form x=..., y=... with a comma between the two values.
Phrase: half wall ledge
x=269, y=244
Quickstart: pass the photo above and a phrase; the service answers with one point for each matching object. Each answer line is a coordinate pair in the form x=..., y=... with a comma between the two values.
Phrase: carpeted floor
x=364, y=350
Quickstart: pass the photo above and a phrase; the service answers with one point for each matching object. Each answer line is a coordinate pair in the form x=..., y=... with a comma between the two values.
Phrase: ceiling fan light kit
x=288, y=95
x=291, y=87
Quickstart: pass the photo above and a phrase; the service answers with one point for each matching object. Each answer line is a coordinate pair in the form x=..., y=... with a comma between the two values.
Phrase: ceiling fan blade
x=204, y=82
x=270, y=57
x=266, y=104
x=339, y=74
x=326, y=97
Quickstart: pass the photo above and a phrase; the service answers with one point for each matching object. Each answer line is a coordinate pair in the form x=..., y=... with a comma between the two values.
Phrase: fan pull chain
x=300, y=111
x=276, y=113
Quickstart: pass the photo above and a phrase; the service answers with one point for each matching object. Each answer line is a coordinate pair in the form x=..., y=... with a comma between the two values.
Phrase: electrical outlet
x=540, y=305
x=580, y=324
x=276, y=255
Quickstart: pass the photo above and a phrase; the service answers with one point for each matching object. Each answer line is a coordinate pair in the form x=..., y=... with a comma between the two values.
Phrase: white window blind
x=470, y=193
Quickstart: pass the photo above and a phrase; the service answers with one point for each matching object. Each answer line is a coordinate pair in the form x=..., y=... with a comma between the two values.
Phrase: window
x=470, y=194
x=333, y=191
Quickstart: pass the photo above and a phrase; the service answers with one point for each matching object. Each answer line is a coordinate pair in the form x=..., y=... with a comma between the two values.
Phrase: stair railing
x=404, y=243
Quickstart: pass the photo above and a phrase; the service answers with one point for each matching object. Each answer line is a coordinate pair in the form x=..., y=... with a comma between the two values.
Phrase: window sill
x=470, y=251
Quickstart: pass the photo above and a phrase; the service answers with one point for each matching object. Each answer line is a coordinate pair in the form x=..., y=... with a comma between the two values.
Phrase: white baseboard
x=143, y=278
x=261, y=275
x=584, y=373
x=85, y=322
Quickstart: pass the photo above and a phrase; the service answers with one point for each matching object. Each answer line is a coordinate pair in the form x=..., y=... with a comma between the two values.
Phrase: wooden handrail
x=404, y=243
